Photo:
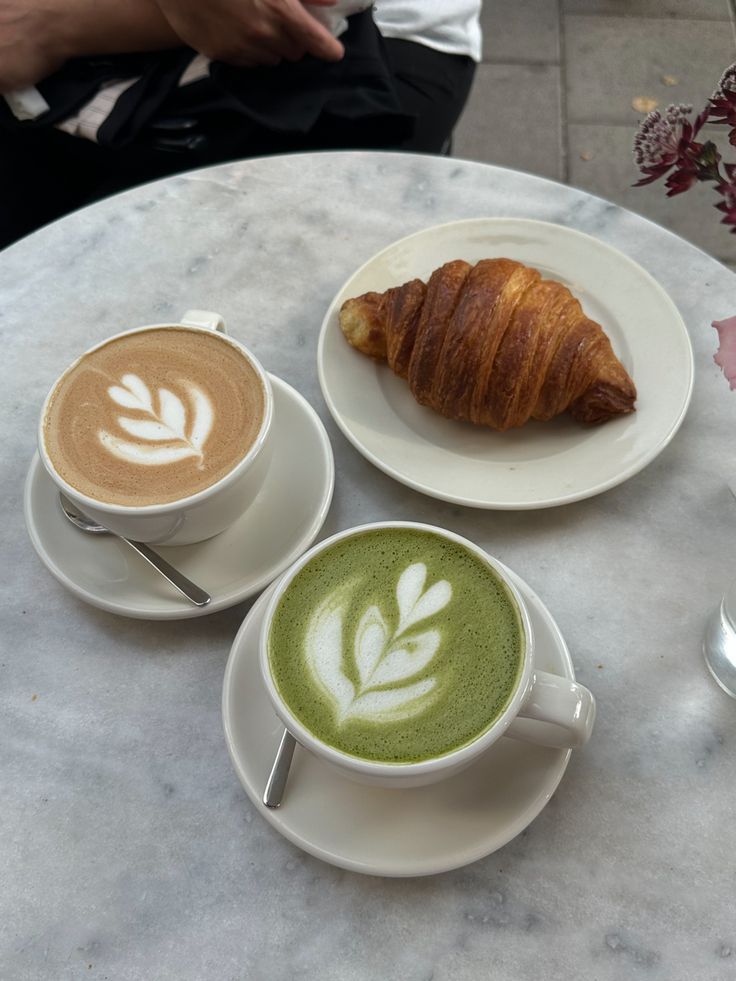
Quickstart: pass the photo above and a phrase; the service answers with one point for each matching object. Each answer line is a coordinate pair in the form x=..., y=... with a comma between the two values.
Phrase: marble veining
x=128, y=849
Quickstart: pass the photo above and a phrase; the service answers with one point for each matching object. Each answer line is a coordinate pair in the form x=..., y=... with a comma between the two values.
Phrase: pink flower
x=668, y=141
x=680, y=180
x=657, y=144
x=725, y=356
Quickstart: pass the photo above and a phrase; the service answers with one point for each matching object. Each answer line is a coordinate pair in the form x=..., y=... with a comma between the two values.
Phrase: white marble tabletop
x=128, y=849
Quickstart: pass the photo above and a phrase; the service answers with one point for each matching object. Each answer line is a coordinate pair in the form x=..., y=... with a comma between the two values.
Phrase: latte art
x=183, y=432
x=395, y=645
x=385, y=661
x=153, y=416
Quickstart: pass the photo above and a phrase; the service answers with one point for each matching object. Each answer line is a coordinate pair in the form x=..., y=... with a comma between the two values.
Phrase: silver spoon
x=276, y=785
x=185, y=586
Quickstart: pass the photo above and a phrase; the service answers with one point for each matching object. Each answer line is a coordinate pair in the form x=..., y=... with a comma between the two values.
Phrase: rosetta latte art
x=385, y=662
x=171, y=431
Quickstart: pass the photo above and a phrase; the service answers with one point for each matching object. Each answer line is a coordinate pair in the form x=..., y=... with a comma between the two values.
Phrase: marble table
x=128, y=849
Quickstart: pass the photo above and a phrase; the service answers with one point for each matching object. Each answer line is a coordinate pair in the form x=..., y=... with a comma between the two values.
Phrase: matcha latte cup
x=161, y=434
x=400, y=652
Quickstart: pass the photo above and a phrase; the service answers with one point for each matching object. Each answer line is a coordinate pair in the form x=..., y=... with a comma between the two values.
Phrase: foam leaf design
x=393, y=705
x=202, y=418
x=173, y=413
x=409, y=589
x=149, y=429
x=323, y=650
x=135, y=394
x=370, y=640
x=125, y=398
x=401, y=663
x=384, y=663
x=152, y=456
x=414, y=605
x=170, y=424
x=139, y=388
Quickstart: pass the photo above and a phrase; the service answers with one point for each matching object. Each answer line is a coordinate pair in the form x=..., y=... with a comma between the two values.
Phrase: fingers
x=265, y=52
x=288, y=42
x=289, y=47
x=260, y=32
x=315, y=38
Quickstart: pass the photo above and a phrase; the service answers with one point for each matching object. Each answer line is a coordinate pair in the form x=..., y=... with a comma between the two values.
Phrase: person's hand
x=31, y=43
x=248, y=33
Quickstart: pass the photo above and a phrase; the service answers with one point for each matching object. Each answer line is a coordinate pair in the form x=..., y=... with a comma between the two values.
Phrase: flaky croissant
x=494, y=344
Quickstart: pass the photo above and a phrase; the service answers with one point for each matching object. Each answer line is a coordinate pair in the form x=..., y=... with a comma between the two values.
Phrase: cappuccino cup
x=161, y=433
x=400, y=652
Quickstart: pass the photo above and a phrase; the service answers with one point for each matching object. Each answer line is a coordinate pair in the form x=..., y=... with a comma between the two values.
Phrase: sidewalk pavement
x=554, y=96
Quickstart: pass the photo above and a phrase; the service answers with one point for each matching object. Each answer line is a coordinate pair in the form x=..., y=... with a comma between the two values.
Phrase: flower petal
x=725, y=357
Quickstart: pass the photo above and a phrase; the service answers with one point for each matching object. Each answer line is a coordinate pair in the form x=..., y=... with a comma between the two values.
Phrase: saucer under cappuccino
x=396, y=645
x=153, y=416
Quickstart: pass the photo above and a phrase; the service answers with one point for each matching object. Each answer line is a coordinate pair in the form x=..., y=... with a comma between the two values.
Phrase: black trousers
x=45, y=173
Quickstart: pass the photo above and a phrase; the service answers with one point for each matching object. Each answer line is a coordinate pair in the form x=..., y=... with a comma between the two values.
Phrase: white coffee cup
x=544, y=708
x=198, y=516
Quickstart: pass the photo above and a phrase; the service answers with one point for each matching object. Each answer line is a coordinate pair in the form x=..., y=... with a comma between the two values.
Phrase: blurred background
x=564, y=84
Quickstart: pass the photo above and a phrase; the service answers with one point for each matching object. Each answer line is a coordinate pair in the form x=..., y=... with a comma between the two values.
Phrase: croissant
x=494, y=344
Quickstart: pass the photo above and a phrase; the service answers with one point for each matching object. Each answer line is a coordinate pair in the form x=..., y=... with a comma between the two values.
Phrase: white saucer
x=418, y=831
x=540, y=464
x=276, y=529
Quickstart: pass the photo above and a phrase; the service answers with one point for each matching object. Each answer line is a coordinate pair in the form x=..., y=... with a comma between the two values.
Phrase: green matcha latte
x=396, y=645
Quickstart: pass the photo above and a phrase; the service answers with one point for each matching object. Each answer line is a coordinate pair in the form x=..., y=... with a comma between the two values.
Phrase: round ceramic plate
x=418, y=831
x=277, y=527
x=540, y=464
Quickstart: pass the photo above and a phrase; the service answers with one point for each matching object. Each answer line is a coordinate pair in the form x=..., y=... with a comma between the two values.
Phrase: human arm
x=247, y=33
x=38, y=36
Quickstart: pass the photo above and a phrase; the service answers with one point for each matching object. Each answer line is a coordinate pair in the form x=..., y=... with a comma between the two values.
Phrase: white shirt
x=447, y=25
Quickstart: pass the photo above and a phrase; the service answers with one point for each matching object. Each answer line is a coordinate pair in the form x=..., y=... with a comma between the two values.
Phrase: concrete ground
x=554, y=96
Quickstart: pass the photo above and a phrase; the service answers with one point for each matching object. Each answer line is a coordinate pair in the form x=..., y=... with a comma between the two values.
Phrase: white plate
x=275, y=530
x=540, y=464
x=408, y=832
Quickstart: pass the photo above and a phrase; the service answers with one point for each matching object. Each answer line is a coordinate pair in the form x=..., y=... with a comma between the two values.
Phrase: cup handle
x=556, y=712
x=204, y=318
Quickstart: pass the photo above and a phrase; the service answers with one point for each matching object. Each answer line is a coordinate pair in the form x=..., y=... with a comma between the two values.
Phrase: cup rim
x=457, y=757
x=191, y=499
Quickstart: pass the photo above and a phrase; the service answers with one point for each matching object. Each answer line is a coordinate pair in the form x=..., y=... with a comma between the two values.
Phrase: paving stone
x=521, y=30
x=612, y=60
x=689, y=9
x=609, y=171
x=513, y=119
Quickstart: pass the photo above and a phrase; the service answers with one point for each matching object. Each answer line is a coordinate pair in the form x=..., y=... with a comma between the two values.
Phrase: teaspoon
x=185, y=586
x=276, y=785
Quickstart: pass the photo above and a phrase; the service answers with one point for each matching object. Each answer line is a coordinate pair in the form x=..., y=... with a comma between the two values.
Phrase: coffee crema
x=153, y=416
x=396, y=645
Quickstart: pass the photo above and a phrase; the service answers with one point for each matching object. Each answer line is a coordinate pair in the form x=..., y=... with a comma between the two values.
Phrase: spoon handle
x=192, y=592
x=276, y=785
